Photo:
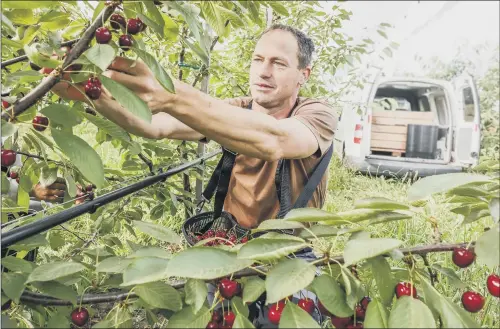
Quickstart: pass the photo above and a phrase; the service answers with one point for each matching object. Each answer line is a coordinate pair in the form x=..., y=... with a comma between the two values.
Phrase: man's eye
x=257, y=59
x=280, y=64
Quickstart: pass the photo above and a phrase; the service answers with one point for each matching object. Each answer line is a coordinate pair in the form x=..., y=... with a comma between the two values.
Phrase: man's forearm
x=253, y=134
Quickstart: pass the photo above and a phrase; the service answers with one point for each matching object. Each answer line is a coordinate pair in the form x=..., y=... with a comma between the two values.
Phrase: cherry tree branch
x=44, y=87
x=46, y=300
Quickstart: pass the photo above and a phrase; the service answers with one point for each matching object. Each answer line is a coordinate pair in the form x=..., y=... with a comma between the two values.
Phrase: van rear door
x=468, y=121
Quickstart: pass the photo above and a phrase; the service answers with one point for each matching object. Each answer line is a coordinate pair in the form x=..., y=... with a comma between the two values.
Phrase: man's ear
x=305, y=75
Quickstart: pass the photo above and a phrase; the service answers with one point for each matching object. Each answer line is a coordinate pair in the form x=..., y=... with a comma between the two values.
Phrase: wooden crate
x=389, y=129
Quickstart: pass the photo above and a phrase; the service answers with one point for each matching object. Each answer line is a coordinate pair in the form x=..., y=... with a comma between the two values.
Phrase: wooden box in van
x=389, y=129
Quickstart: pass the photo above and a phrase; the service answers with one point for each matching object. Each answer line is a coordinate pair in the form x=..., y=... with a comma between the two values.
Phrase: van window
x=468, y=101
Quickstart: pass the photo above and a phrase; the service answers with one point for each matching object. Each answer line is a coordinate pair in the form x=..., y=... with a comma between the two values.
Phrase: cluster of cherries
x=133, y=26
x=471, y=300
x=93, y=88
x=221, y=236
x=350, y=322
x=87, y=194
x=39, y=122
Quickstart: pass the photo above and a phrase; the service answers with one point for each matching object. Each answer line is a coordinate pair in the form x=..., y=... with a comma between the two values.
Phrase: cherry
x=340, y=322
x=210, y=234
x=102, y=35
x=40, y=123
x=5, y=104
x=493, y=283
x=274, y=314
x=143, y=26
x=229, y=318
x=13, y=175
x=47, y=70
x=212, y=325
x=134, y=26
x=217, y=316
x=125, y=42
x=365, y=301
x=463, y=257
x=94, y=81
x=116, y=20
x=221, y=234
x=306, y=304
x=360, y=312
x=228, y=288
x=90, y=187
x=405, y=289
x=472, y=301
x=323, y=310
x=244, y=239
x=8, y=158
x=35, y=67
x=93, y=91
x=80, y=316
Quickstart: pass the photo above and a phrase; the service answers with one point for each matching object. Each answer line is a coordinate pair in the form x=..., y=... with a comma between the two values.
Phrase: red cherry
x=221, y=234
x=493, y=283
x=217, y=316
x=80, y=316
x=8, y=158
x=306, y=304
x=40, y=123
x=323, y=310
x=5, y=104
x=472, y=301
x=89, y=188
x=360, y=312
x=228, y=288
x=405, y=289
x=94, y=81
x=274, y=313
x=212, y=325
x=125, y=42
x=134, y=26
x=365, y=301
x=47, y=70
x=463, y=257
x=116, y=20
x=13, y=175
x=93, y=91
x=340, y=322
x=210, y=234
x=244, y=239
x=229, y=318
x=102, y=35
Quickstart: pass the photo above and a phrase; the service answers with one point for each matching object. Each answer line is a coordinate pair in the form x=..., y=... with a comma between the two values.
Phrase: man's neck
x=279, y=112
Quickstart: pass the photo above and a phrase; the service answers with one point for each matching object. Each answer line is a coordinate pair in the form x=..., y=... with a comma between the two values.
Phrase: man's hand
x=54, y=192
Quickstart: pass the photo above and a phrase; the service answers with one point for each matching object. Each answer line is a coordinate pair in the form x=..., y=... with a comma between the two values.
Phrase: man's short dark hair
x=306, y=45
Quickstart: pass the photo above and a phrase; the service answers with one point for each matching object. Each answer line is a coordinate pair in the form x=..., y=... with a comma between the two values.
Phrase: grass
x=344, y=188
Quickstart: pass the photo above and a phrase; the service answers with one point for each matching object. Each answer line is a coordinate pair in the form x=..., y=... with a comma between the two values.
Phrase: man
x=280, y=125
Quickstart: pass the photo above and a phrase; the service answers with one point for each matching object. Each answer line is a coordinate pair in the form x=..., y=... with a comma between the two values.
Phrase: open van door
x=467, y=121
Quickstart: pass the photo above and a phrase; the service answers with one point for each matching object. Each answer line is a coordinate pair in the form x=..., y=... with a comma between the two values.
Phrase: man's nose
x=265, y=70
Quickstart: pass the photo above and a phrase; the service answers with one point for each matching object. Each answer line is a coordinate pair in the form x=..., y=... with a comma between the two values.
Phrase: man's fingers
x=57, y=186
x=125, y=65
x=127, y=80
x=53, y=198
x=54, y=192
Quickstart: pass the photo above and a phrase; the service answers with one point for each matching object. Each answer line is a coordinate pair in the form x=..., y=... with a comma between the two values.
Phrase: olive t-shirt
x=252, y=196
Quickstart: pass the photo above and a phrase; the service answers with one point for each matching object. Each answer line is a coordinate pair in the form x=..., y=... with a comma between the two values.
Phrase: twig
x=67, y=230
x=432, y=274
x=42, y=299
x=43, y=88
x=147, y=162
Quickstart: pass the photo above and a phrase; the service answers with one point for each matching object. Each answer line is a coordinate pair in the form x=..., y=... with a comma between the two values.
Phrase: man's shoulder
x=307, y=104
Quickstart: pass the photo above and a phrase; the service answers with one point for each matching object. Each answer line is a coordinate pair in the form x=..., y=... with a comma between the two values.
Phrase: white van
x=417, y=126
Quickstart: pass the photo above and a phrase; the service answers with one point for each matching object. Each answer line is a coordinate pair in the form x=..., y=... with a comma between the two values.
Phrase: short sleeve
x=321, y=119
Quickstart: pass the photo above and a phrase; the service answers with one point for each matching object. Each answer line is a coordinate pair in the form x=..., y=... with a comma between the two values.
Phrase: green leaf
x=8, y=129
x=26, y=4
x=160, y=294
x=152, y=24
x=385, y=281
x=410, y=312
x=382, y=33
x=470, y=191
x=13, y=285
x=154, y=13
x=157, y=231
x=306, y=215
x=295, y=317
x=128, y=99
x=380, y=203
x=211, y=12
x=331, y=295
x=48, y=176
x=15, y=264
x=113, y=265
x=242, y=322
x=452, y=276
x=253, y=288
x=199, y=51
x=205, y=263
x=322, y=231
x=7, y=322
x=144, y=270
x=358, y=215
x=358, y=250
x=34, y=55
x=442, y=183
x=151, y=252
x=277, y=224
x=70, y=184
x=52, y=271
x=288, y=277
x=278, y=8
x=82, y=155
x=353, y=288
x=58, y=320
x=238, y=306
x=267, y=249
x=61, y=114
x=487, y=247
x=5, y=185
x=376, y=315
x=108, y=126
x=159, y=72
x=196, y=293
x=30, y=243
x=385, y=217
x=57, y=290
x=56, y=240
x=101, y=55
x=187, y=318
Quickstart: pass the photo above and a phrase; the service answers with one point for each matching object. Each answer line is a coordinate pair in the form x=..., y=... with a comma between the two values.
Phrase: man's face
x=274, y=73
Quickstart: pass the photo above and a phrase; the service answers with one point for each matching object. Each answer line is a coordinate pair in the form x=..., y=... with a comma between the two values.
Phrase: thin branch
x=42, y=299
x=43, y=88
x=147, y=162
x=432, y=274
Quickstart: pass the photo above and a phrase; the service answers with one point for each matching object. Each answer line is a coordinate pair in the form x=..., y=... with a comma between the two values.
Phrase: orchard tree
x=131, y=260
